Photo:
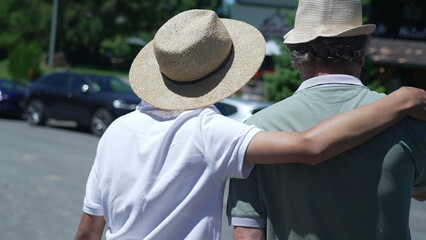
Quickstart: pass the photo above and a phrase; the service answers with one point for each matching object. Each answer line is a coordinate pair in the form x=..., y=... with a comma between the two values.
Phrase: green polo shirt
x=362, y=194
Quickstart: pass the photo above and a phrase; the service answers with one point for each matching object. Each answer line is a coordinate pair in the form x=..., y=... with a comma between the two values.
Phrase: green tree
x=24, y=62
x=284, y=81
x=23, y=20
x=84, y=27
x=91, y=27
x=369, y=77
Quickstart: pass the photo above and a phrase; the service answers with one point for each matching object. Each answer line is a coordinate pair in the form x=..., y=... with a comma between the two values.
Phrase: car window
x=119, y=86
x=76, y=83
x=19, y=87
x=109, y=84
x=9, y=85
x=225, y=109
x=257, y=110
x=57, y=81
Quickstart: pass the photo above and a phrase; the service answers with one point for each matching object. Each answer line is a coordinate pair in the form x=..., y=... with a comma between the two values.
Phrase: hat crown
x=195, y=60
x=327, y=18
x=188, y=49
x=328, y=13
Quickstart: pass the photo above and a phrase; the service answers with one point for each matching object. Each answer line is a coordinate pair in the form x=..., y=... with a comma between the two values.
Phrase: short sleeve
x=92, y=200
x=417, y=144
x=244, y=207
x=225, y=144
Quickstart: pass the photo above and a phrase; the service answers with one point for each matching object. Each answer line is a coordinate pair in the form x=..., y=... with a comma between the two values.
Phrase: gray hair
x=329, y=49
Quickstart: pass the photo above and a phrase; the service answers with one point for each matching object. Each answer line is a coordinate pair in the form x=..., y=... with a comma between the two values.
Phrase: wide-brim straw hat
x=327, y=18
x=195, y=60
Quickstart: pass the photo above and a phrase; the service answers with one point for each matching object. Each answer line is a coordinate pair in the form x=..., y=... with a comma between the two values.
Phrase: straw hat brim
x=306, y=34
x=247, y=55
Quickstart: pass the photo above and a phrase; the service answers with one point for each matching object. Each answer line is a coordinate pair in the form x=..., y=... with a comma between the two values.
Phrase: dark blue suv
x=92, y=101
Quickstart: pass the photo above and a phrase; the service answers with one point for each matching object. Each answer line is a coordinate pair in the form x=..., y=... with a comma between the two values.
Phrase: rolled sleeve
x=92, y=200
x=247, y=222
x=225, y=145
x=246, y=166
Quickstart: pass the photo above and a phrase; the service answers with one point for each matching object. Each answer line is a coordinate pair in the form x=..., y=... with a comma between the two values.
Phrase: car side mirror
x=85, y=88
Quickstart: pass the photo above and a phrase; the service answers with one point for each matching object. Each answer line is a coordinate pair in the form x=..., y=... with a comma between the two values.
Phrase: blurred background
x=95, y=36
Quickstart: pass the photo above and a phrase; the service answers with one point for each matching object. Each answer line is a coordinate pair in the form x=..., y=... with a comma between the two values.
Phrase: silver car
x=240, y=109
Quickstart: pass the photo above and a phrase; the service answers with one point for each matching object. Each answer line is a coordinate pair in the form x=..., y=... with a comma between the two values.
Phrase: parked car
x=240, y=109
x=11, y=98
x=93, y=101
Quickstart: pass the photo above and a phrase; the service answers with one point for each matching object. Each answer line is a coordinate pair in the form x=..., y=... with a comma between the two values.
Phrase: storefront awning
x=398, y=52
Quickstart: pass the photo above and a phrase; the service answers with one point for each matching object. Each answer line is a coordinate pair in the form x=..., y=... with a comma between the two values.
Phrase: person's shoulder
x=121, y=123
x=416, y=126
x=207, y=111
x=281, y=108
x=409, y=132
x=206, y=117
x=372, y=94
x=413, y=137
x=202, y=114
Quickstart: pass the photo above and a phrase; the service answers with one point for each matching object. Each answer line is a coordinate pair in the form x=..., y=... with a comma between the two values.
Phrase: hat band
x=215, y=71
x=330, y=26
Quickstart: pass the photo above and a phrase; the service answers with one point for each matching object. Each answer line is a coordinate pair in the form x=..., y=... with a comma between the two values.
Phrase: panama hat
x=196, y=59
x=327, y=18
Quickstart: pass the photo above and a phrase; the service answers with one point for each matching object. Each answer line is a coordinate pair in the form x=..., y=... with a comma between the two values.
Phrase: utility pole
x=53, y=33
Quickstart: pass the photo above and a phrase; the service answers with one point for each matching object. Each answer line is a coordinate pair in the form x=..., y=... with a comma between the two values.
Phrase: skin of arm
x=339, y=133
x=419, y=196
x=247, y=233
x=90, y=228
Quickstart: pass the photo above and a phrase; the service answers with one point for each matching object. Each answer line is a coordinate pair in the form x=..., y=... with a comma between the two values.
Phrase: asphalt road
x=43, y=172
x=42, y=175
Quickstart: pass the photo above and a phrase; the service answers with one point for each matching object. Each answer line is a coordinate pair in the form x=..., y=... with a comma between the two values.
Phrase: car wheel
x=100, y=120
x=35, y=113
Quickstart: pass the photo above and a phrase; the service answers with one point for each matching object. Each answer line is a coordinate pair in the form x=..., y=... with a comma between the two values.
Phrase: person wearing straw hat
x=363, y=193
x=160, y=171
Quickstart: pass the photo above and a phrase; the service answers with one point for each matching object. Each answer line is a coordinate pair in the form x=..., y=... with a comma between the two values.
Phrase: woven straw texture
x=327, y=18
x=195, y=60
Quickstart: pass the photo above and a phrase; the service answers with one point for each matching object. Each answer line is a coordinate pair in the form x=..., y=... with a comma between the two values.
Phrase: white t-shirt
x=164, y=179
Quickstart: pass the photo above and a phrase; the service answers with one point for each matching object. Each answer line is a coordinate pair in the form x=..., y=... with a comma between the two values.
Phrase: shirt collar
x=153, y=111
x=330, y=79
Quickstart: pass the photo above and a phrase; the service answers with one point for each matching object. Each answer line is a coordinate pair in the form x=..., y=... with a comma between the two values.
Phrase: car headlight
x=3, y=96
x=120, y=104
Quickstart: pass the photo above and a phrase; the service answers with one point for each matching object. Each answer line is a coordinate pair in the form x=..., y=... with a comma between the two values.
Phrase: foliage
x=4, y=72
x=368, y=77
x=116, y=47
x=284, y=81
x=101, y=26
x=377, y=85
x=23, y=20
x=24, y=62
x=86, y=28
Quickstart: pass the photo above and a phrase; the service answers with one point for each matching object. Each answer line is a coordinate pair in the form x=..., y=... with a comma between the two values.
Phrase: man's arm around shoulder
x=419, y=196
x=248, y=233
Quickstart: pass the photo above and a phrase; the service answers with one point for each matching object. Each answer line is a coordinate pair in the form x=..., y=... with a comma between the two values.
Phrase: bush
x=369, y=77
x=24, y=62
x=284, y=81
